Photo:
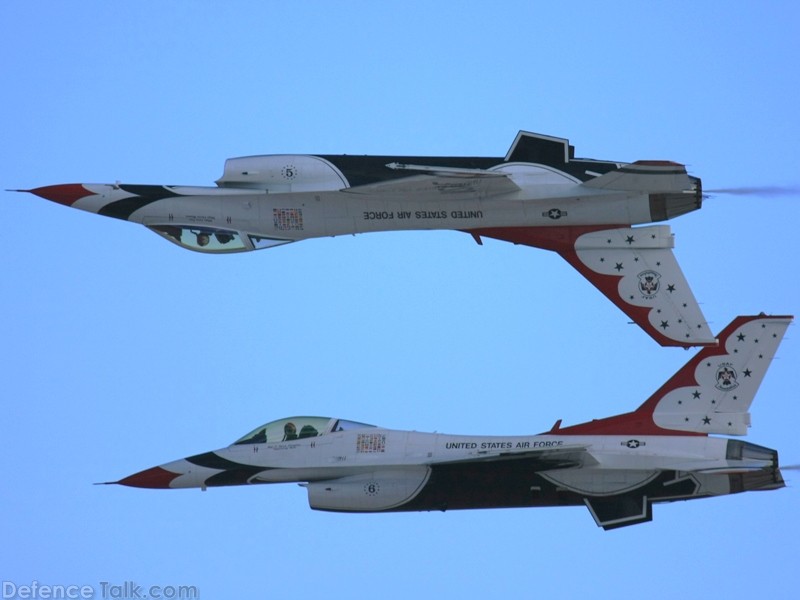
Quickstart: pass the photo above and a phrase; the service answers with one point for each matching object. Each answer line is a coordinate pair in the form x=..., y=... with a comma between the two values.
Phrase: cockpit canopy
x=297, y=428
x=213, y=239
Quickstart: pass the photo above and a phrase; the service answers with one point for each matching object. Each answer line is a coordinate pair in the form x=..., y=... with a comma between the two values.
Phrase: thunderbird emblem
x=726, y=377
x=649, y=283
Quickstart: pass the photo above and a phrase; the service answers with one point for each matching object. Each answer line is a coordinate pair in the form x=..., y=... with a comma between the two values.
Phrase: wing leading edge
x=563, y=457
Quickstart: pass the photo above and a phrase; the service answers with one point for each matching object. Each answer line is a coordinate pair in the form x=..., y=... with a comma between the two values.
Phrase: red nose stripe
x=66, y=194
x=151, y=478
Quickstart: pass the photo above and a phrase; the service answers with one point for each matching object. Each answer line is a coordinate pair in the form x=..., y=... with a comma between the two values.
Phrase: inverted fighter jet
x=538, y=195
x=617, y=467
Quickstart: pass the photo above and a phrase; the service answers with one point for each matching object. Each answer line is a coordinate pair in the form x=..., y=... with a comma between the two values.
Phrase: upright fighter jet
x=538, y=195
x=617, y=467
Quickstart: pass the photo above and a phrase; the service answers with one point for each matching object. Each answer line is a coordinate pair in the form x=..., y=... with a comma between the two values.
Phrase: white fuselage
x=303, y=215
x=348, y=453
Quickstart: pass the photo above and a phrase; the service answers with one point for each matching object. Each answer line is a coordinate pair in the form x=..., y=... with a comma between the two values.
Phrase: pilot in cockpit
x=289, y=432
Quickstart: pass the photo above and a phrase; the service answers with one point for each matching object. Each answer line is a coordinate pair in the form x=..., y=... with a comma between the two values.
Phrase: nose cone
x=156, y=477
x=66, y=194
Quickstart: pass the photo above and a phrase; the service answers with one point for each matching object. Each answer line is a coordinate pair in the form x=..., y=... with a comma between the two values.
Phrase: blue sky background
x=121, y=351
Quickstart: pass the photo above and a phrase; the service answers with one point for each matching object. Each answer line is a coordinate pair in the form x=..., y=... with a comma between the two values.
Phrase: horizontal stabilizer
x=650, y=176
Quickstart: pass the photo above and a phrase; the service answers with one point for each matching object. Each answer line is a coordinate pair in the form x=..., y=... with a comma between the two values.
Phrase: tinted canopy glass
x=297, y=428
x=202, y=239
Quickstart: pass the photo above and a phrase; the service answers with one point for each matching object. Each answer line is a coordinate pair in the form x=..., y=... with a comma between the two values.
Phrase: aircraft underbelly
x=494, y=485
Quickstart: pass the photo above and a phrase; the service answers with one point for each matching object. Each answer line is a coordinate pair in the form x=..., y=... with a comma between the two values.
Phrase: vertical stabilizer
x=712, y=393
x=634, y=267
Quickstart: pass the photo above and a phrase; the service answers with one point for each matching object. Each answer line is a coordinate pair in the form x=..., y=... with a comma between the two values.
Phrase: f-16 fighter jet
x=617, y=467
x=538, y=195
